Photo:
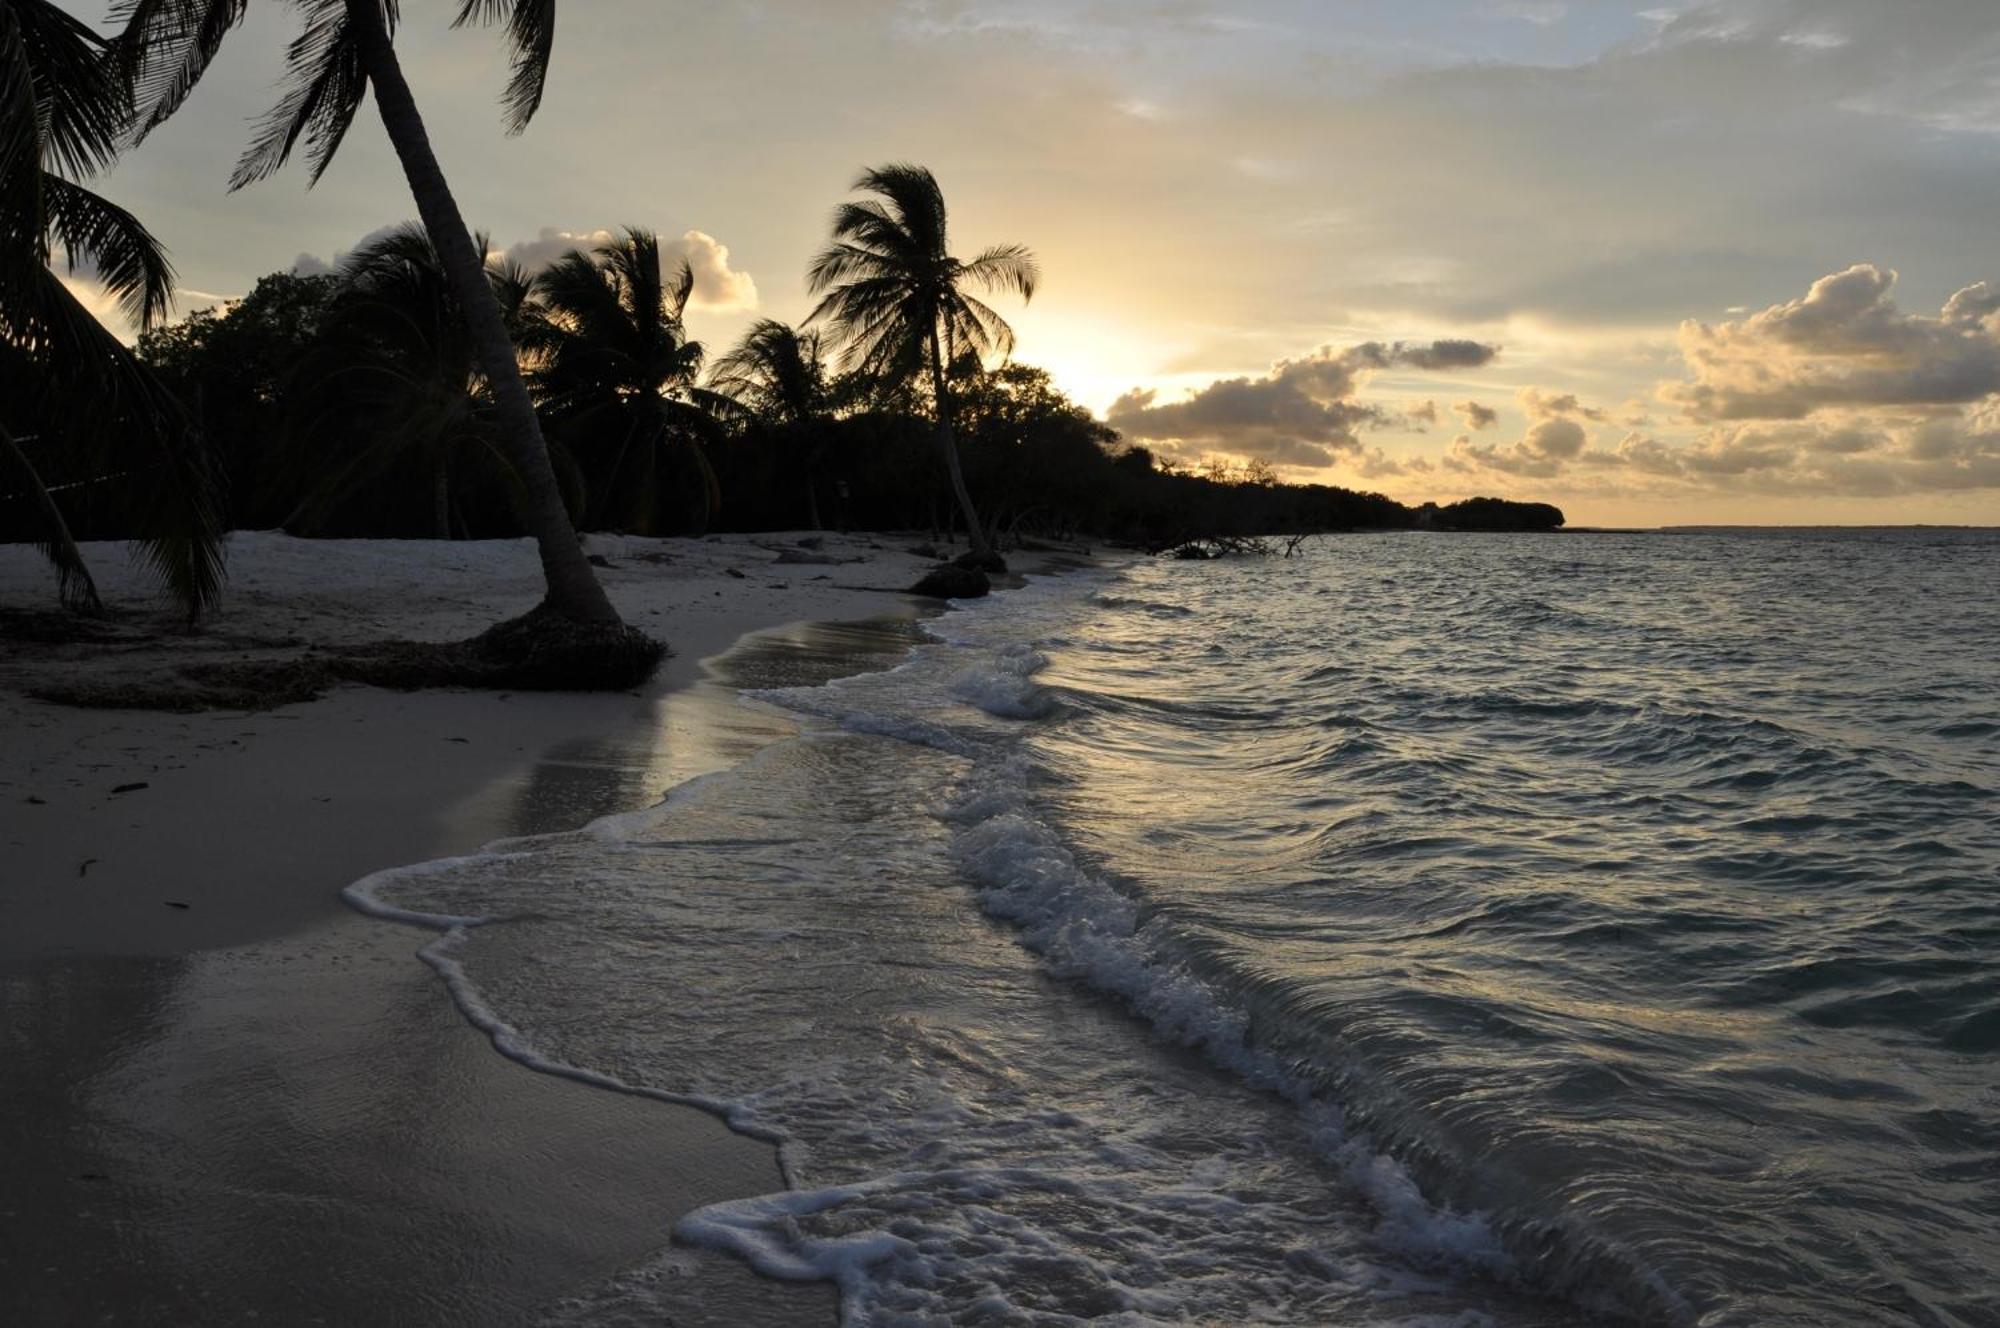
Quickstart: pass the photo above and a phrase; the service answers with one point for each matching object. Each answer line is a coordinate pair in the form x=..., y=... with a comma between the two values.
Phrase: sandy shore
x=227, y=1097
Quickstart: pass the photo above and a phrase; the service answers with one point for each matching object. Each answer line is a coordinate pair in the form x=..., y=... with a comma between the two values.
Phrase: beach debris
x=924, y=551
x=131, y=788
x=731, y=571
x=83, y=868
x=826, y=559
x=813, y=542
x=39, y=802
x=598, y=560
x=458, y=740
x=980, y=562
x=177, y=903
x=950, y=581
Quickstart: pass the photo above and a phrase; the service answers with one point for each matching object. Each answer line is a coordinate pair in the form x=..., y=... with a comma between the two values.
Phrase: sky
x=1655, y=262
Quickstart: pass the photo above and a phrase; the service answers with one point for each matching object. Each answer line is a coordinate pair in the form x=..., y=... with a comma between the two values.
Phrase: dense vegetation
x=339, y=407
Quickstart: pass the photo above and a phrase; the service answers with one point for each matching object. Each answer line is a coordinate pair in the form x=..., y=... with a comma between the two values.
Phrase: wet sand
x=225, y=1097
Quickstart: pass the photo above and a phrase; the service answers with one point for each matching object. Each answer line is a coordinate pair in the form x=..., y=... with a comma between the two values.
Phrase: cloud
x=1420, y=416
x=1300, y=414
x=1476, y=416
x=1539, y=405
x=1541, y=13
x=1375, y=464
x=1843, y=344
x=718, y=287
x=1543, y=451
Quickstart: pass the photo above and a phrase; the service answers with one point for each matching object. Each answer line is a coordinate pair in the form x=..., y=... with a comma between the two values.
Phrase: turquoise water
x=1447, y=930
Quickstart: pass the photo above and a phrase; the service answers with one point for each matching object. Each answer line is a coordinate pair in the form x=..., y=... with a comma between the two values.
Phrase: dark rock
x=813, y=542
x=950, y=581
x=981, y=562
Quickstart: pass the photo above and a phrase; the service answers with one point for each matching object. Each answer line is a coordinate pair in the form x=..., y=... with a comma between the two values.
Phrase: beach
x=228, y=1095
x=1372, y=937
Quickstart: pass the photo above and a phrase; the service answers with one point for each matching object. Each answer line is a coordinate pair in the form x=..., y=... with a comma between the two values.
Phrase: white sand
x=225, y=1094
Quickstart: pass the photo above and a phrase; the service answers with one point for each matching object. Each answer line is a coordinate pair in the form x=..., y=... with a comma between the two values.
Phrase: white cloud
x=1843, y=344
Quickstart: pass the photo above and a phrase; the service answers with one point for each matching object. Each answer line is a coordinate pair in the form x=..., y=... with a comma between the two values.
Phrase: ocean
x=1423, y=929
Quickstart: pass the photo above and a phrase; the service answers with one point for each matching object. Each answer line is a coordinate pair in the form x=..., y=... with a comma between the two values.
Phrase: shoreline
x=231, y=1093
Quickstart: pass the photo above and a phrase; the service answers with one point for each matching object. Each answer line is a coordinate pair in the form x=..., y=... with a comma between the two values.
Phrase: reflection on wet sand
x=704, y=727
x=305, y=1131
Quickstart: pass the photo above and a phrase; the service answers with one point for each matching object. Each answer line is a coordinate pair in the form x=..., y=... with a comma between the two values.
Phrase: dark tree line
x=348, y=405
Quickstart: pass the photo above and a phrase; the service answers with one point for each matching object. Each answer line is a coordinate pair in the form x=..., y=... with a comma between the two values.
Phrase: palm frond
x=980, y=328
x=1005, y=267
x=82, y=103
x=20, y=156
x=165, y=46
x=915, y=201
x=676, y=295
x=75, y=588
x=116, y=415
x=531, y=32
x=327, y=82
x=128, y=260
x=845, y=262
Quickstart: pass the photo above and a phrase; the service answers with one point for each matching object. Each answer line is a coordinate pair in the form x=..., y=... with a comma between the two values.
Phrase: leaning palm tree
x=778, y=375
x=74, y=401
x=617, y=375
x=345, y=50
x=392, y=386
x=894, y=297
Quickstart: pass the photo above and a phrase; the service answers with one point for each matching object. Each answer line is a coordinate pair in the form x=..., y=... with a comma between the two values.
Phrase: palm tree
x=895, y=299
x=617, y=375
x=345, y=49
x=778, y=374
x=392, y=384
x=95, y=411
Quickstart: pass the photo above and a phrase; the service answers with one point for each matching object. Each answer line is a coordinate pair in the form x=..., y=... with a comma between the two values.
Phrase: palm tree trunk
x=441, y=502
x=573, y=590
x=948, y=445
x=74, y=585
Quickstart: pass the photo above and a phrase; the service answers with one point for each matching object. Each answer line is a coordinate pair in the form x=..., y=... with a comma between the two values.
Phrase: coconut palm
x=617, y=376
x=778, y=375
x=346, y=49
x=895, y=299
x=76, y=401
x=392, y=384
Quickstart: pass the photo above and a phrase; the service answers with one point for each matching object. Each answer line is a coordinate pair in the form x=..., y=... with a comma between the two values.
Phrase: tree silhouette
x=619, y=379
x=778, y=374
x=391, y=386
x=346, y=48
x=94, y=409
x=895, y=299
